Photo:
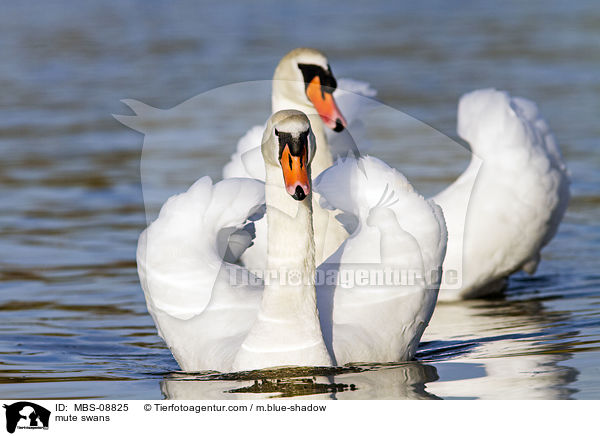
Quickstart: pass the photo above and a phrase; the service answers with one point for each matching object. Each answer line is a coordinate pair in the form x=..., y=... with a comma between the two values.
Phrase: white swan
x=303, y=81
x=509, y=202
x=211, y=319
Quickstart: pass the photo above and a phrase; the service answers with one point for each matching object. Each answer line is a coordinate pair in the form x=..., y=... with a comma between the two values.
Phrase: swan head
x=289, y=143
x=304, y=77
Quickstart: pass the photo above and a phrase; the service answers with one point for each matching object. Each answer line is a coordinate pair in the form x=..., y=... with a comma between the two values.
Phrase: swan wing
x=202, y=305
x=557, y=192
x=388, y=269
x=509, y=202
x=247, y=160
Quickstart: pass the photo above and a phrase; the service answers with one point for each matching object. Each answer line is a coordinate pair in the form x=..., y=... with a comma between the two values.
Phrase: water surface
x=74, y=321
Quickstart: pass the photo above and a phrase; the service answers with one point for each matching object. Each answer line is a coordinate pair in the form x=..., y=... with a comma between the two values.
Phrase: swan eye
x=276, y=132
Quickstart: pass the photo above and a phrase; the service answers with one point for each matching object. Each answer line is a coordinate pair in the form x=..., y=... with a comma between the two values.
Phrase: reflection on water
x=505, y=342
x=479, y=349
x=392, y=381
x=75, y=323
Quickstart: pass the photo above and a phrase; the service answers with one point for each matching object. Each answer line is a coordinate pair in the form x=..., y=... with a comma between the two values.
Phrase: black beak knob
x=299, y=195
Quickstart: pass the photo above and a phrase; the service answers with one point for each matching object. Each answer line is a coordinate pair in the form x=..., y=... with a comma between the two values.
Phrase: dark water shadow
x=364, y=381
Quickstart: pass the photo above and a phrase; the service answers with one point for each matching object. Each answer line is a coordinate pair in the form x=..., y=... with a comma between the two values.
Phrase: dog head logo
x=24, y=414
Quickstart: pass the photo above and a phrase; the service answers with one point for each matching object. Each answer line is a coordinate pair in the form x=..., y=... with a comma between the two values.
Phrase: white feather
x=509, y=202
x=396, y=230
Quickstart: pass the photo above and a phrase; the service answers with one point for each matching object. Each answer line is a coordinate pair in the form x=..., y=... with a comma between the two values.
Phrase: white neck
x=290, y=251
x=287, y=329
x=329, y=234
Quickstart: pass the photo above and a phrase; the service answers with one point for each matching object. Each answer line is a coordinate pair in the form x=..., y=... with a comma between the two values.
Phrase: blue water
x=74, y=321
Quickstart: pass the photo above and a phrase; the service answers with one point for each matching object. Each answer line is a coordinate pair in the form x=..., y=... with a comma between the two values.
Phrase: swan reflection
x=497, y=349
x=486, y=349
x=400, y=381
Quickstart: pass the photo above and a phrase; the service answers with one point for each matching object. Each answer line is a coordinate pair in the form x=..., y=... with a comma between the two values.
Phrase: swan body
x=510, y=200
x=290, y=91
x=213, y=320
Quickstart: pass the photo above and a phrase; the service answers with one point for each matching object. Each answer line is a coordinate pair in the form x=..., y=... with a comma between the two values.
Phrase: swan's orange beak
x=295, y=173
x=325, y=105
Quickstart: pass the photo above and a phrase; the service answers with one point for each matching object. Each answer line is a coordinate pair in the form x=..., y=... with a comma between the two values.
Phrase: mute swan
x=212, y=319
x=509, y=202
x=303, y=81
